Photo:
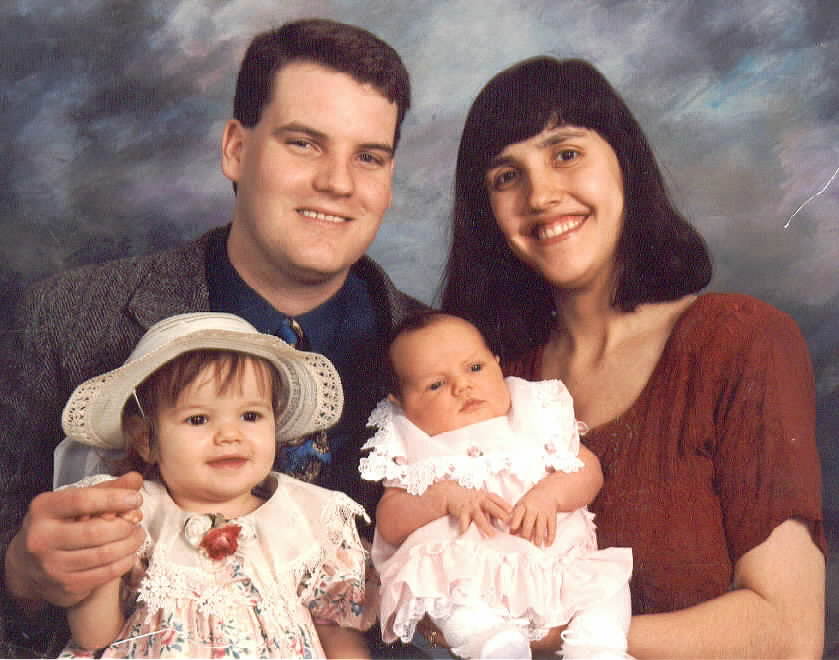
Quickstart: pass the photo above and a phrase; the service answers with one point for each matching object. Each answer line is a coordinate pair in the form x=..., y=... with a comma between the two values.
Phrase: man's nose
x=334, y=175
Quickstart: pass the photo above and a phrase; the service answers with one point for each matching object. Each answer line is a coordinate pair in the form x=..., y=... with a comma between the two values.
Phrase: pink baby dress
x=436, y=567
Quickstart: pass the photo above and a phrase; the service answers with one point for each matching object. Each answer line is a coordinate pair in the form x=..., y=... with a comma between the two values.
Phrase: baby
x=238, y=560
x=477, y=527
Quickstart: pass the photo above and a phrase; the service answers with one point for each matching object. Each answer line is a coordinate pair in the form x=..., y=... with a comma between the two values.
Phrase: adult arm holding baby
x=50, y=555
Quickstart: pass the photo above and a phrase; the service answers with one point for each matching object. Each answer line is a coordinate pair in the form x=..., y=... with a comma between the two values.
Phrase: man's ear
x=138, y=434
x=232, y=146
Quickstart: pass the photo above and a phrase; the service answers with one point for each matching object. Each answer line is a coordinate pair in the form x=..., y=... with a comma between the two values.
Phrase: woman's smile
x=559, y=227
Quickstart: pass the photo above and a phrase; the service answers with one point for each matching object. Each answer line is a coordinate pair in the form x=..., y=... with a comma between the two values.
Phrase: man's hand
x=470, y=505
x=74, y=540
x=534, y=516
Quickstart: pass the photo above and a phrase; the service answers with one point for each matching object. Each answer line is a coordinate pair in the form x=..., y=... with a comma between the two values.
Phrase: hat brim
x=311, y=386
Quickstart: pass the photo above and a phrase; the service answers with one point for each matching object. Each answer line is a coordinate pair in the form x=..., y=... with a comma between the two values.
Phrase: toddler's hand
x=534, y=516
x=470, y=505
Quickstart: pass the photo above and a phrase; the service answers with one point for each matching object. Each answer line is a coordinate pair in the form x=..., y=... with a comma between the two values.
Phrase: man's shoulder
x=119, y=277
x=387, y=297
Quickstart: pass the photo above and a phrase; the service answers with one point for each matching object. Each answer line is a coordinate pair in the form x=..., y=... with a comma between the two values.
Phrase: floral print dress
x=250, y=587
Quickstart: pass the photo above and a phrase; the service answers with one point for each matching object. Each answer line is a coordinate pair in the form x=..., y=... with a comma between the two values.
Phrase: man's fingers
x=73, y=535
x=76, y=586
x=551, y=529
x=130, y=481
x=92, y=560
x=75, y=502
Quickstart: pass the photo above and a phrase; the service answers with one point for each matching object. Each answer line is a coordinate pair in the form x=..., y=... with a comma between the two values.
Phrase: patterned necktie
x=291, y=333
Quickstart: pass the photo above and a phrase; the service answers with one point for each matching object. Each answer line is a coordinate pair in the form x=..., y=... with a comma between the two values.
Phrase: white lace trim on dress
x=543, y=411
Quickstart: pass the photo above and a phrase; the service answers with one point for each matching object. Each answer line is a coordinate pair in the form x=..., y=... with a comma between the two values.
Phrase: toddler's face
x=448, y=377
x=214, y=447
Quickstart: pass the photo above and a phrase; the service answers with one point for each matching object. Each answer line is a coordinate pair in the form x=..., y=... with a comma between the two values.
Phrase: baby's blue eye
x=477, y=366
x=196, y=420
x=251, y=416
x=436, y=385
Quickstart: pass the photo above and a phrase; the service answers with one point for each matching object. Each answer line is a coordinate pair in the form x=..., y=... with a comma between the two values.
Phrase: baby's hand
x=134, y=516
x=534, y=516
x=470, y=505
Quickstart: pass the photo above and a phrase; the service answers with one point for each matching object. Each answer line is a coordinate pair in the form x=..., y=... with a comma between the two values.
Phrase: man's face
x=313, y=176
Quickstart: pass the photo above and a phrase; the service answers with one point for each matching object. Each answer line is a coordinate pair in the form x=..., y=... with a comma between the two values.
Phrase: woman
x=568, y=254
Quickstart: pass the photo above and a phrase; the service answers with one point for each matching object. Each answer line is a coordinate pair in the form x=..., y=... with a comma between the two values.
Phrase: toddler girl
x=238, y=560
x=468, y=530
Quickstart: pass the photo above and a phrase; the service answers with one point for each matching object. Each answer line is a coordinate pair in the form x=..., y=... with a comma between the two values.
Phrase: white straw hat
x=311, y=385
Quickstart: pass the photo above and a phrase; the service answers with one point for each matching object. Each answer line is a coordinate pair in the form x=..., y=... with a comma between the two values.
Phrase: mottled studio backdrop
x=112, y=112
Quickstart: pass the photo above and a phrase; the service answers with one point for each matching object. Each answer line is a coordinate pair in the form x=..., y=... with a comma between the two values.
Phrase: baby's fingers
x=551, y=529
x=516, y=517
x=496, y=510
x=527, y=525
x=482, y=523
x=540, y=531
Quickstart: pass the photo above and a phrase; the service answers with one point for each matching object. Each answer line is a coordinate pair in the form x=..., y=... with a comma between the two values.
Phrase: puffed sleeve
x=342, y=587
x=766, y=460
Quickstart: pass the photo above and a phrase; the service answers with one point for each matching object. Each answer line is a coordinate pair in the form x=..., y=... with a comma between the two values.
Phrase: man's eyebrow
x=560, y=135
x=298, y=127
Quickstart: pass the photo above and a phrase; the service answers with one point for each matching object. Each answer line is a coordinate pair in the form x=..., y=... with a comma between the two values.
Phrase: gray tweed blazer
x=76, y=325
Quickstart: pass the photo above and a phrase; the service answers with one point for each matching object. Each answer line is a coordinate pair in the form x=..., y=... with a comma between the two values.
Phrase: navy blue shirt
x=342, y=329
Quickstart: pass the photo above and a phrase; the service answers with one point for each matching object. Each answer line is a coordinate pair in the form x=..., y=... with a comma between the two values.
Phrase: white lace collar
x=538, y=433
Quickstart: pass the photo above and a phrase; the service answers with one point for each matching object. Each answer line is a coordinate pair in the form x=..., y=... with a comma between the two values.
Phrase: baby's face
x=448, y=377
x=214, y=446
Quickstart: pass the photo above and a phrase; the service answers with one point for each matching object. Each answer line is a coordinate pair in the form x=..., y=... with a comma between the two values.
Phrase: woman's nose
x=545, y=188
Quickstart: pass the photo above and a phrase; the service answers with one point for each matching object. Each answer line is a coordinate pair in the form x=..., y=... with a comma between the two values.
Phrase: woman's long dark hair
x=660, y=256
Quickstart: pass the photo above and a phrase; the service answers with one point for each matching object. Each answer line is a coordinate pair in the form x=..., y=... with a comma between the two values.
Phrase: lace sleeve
x=87, y=482
x=342, y=586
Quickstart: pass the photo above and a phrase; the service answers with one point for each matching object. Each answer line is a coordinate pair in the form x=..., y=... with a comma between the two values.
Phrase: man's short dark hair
x=338, y=46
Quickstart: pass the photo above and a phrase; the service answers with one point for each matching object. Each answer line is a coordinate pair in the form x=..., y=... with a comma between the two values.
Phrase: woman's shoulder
x=732, y=317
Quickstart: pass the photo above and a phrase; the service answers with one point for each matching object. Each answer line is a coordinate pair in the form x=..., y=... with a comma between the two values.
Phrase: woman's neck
x=588, y=325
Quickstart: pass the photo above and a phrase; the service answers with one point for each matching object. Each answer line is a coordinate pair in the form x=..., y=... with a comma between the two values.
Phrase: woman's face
x=558, y=199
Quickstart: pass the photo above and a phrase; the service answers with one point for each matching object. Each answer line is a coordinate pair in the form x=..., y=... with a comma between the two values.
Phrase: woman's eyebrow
x=560, y=135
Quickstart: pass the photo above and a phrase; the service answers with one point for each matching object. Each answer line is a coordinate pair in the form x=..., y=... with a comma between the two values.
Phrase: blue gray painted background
x=112, y=112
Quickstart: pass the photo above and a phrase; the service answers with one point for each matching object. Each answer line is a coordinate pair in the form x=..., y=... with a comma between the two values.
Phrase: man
x=310, y=149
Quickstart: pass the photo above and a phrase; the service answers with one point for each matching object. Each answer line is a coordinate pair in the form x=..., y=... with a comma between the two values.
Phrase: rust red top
x=718, y=449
